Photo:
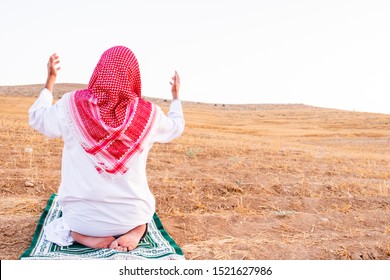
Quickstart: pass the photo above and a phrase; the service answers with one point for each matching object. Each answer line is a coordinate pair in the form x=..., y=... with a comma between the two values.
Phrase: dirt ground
x=258, y=182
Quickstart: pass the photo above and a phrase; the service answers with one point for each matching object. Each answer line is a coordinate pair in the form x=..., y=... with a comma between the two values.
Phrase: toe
x=122, y=249
x=130, y=248
x=114, y=244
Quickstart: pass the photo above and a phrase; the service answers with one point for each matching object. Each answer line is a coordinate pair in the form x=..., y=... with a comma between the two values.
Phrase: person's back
x=108, y=130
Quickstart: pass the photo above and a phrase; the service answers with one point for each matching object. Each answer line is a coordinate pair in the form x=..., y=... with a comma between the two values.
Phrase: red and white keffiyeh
x=110, y=119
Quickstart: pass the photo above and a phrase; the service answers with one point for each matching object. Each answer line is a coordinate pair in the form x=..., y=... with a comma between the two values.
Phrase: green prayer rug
x=157, y=243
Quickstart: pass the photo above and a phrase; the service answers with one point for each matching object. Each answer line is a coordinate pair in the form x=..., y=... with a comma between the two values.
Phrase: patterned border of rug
x=156, y=245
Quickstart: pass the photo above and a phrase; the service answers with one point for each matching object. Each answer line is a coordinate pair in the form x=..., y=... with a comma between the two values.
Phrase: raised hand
x=52, y=70
x=52, y=65
x=175, y=83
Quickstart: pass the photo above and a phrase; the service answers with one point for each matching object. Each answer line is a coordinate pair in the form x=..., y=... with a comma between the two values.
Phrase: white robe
x=91, y=204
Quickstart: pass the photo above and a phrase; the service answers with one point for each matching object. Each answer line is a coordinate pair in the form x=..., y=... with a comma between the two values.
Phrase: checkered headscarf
x=109, y=118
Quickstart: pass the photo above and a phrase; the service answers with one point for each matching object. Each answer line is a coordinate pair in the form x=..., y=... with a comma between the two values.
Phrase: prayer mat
x=157, y=243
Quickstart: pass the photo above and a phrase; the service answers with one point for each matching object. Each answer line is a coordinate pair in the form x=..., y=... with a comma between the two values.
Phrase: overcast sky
x=327, y=53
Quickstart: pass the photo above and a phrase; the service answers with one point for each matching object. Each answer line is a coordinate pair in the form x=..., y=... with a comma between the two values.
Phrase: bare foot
x=129, y=241
x=92, y=241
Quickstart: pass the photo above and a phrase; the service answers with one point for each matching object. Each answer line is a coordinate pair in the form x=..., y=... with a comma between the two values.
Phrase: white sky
x=324, y=53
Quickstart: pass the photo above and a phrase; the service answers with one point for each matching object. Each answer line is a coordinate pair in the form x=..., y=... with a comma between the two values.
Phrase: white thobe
x=92, y=204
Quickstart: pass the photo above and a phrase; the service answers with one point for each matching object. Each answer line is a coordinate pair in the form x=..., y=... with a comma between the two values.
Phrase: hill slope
x=243, y=182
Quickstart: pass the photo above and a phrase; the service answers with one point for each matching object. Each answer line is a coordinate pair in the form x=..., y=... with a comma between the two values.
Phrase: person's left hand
x=52, y=70
x=175, y=86
x=52, y=65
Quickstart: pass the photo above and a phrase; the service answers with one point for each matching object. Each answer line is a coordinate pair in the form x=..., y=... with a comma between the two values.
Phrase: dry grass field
x=243, y=182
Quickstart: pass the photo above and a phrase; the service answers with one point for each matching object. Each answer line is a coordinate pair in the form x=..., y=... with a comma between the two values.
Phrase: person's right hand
x=175, y=86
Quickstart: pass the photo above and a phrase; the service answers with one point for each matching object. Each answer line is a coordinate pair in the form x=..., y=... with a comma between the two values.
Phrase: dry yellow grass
x=243, y=182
